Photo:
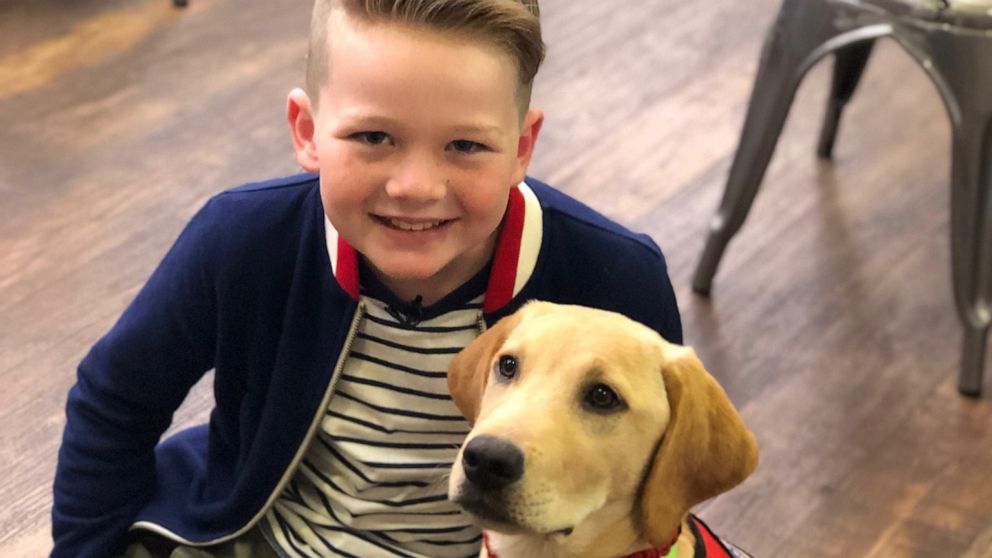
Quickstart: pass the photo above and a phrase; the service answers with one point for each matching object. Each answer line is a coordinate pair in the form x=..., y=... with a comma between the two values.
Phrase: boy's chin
x=408, y=272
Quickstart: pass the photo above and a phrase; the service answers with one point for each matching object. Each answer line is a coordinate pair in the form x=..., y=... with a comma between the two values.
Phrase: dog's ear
x=706, y=449
x=469, y=370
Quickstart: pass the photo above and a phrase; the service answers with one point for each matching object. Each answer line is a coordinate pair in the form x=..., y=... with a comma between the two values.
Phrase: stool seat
x=975, y=14
x=952, y=42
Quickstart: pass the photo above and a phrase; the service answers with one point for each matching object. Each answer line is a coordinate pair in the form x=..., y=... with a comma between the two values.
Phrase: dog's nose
x=492, y=463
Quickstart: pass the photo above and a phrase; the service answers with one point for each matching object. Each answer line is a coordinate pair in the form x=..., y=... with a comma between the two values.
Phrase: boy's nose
x=418, y=178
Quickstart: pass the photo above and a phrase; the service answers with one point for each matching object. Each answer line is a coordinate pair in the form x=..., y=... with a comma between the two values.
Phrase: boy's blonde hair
x=512, y=25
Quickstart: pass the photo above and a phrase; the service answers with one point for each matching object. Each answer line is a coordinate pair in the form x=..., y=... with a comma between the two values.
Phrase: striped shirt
x=373, y=481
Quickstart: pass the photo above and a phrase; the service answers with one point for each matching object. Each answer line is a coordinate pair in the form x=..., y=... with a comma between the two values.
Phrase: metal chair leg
x=972, y=361
x=792, y=45
x=771, y=97
x=849, y=64
x=958, y=67
x=971, y=242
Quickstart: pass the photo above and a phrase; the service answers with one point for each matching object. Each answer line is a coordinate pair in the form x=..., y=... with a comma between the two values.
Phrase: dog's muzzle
x=491, y=466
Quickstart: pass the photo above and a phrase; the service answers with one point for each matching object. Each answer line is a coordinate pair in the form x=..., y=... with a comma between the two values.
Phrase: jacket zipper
x=315, y=423
x=300, y=453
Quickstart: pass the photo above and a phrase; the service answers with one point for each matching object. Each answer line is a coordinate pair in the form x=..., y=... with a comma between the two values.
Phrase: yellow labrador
x=592, y=437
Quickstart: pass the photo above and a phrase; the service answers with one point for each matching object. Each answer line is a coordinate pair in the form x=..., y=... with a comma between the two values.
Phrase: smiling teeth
x=403, y=225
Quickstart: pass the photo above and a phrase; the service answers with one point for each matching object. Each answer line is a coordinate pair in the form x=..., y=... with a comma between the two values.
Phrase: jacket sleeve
x=661, y=310
x=128, y=387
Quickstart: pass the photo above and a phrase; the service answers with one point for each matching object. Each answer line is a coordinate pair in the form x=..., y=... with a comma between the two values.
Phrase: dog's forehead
x=551, y=329
x=554, y=319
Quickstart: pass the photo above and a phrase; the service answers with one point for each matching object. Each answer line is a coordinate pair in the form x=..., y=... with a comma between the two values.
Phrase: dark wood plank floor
x=831, y=324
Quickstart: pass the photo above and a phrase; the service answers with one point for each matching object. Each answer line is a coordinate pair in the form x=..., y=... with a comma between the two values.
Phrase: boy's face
x=418, y=140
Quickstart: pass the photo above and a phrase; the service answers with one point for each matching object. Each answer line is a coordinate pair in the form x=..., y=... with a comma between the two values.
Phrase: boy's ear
x=299, y=113
x=533, y=121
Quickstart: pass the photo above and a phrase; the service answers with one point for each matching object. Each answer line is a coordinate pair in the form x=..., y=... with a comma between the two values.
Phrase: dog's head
x=576, y=411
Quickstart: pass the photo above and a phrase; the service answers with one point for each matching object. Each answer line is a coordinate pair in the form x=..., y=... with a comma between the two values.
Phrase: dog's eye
x=601, y=398
x=507, y=367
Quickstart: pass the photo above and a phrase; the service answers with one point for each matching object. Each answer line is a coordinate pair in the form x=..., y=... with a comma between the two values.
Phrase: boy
x=329, y=304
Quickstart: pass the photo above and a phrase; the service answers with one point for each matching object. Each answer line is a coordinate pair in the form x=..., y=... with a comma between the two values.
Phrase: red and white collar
x=513, y=261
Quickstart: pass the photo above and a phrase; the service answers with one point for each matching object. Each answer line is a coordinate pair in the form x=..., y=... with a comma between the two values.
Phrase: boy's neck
x=433, y=289
x=379, y=286
x=408, y=291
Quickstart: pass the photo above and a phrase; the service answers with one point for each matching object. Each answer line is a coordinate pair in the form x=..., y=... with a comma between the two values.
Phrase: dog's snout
x=492, y=463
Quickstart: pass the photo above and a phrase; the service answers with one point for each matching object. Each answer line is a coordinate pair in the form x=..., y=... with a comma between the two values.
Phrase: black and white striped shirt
x=374, y=480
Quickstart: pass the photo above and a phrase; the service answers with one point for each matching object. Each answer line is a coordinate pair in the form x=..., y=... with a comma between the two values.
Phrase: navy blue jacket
x=260, y=288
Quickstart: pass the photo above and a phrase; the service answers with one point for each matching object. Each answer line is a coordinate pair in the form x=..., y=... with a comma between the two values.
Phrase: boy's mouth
x=407, y=225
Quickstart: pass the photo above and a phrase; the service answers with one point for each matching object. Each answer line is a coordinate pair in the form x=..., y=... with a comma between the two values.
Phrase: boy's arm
x=663, y=309
x=127, y=389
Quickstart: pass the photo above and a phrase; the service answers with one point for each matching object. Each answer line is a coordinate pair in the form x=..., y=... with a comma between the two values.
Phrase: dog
x=592, y=437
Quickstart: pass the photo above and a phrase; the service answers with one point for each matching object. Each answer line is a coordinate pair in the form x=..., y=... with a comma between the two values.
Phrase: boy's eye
x=372, y=138
x=466, y=146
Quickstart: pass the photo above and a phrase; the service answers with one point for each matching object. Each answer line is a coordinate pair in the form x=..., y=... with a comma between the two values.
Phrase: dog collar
x=668, y=552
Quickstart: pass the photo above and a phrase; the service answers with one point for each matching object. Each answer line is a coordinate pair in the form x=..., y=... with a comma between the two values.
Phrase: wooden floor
x=831, y=324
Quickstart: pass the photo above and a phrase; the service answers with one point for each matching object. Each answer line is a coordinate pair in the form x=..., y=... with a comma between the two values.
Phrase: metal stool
x=952, y=41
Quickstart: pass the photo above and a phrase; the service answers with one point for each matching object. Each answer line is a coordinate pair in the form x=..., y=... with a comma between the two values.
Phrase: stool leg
x=972, y=360
x=849, y=64
x=959, y=66
x=971, y=243
x=801, y=28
